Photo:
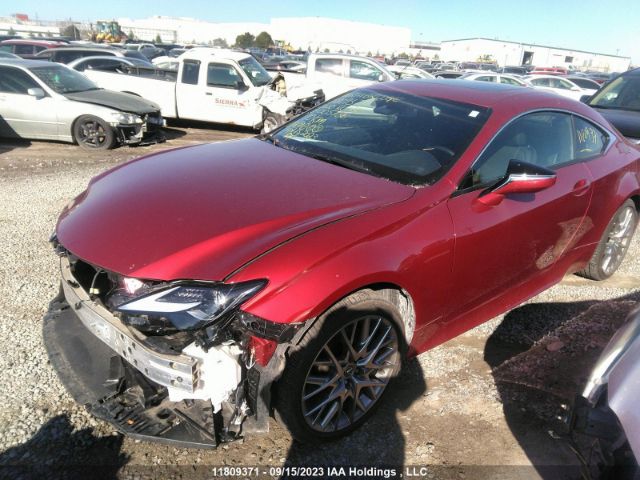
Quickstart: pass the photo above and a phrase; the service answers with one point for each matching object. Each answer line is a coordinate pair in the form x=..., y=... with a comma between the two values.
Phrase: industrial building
x=518, y=53
x=315, y=33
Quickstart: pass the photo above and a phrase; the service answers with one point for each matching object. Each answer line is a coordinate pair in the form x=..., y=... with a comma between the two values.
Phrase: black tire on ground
x=93, y=133
x=271, y=122
x=366, y=314
x=614, y=243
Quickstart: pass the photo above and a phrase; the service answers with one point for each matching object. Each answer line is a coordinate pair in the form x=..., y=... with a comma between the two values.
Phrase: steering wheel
x=446, y=150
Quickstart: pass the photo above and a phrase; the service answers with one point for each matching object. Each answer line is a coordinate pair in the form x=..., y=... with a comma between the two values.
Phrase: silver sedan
x=49, y=101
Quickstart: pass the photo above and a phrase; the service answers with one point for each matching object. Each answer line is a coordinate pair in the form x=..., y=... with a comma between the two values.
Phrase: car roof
x=84, y=48
x=41, y=43
x=10, y=62
x=635, y=72
x=483, y=94
x=101, y=57
x=533, y=77
x=204, y=53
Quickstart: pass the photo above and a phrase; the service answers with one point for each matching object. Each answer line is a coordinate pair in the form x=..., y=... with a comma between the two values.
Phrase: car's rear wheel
x=335, y=377
x=93, y=133
x=614, y=244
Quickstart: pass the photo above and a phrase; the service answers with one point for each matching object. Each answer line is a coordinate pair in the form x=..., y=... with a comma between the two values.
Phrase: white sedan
x=495, y=78
x=559, y=85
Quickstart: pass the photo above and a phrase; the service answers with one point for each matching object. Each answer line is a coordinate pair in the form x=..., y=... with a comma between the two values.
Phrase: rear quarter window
x=590, y=140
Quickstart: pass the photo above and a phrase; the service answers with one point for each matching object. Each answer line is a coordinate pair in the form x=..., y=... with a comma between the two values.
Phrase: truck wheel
x=335, y=377
x=614, y=243
x=93, y=133
x=271, y=122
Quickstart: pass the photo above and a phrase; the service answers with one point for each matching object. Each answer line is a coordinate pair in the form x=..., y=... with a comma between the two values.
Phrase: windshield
x=622, y=93
x=255, y=71
x=405, y=138
x=63, y=80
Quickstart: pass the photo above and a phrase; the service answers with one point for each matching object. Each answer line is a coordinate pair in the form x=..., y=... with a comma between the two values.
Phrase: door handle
x=208, y=93
x=581, y=187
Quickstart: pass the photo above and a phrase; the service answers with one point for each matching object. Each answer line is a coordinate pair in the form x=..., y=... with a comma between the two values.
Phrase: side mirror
x=36, y=92
x=521, y=177
x=382, y=78
x=240, y=85
x=585, y=98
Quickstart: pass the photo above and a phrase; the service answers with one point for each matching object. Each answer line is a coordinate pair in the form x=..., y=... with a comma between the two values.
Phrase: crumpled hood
x=125, y=102
x=202, y=212
x=626, y=121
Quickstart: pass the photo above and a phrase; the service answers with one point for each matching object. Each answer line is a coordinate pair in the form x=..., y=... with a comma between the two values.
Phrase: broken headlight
x=126, y=118
x=185, y=306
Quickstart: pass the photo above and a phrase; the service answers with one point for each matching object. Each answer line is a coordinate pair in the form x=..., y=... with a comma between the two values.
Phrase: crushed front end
x=144, y=129
x=175, y=362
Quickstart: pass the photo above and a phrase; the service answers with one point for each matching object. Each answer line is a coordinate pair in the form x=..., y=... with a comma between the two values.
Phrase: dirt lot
x=479, y=406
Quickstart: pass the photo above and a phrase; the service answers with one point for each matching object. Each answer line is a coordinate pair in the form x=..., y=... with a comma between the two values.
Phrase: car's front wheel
x=271, y=122
x=335, y=377
x=614, y=244
x=93, y=133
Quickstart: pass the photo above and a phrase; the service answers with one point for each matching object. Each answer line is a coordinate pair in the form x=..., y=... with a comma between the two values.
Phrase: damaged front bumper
x=193, y=398
x=145, y=132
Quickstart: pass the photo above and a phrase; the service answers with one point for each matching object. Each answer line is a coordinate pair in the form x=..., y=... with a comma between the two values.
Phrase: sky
x=603, y=26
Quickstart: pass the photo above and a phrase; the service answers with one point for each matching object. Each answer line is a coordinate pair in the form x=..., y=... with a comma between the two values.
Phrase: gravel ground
x=460, y=405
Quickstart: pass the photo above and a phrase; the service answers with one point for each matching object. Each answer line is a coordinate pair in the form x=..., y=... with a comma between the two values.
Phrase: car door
x=229, y=95
x=501, y=250
x=189, y=94
x=23, y=115
x=362, y=73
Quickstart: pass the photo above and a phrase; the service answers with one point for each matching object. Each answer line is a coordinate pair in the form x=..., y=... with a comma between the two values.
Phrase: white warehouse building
x=518, y=53
x=320, y=33
x=300, y=32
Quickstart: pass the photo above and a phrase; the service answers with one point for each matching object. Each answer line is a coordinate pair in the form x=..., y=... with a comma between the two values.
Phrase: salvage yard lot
x=461, y=405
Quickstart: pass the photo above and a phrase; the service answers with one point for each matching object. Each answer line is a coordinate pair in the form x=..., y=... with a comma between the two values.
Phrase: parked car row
x=293, y=85
x=49, y=101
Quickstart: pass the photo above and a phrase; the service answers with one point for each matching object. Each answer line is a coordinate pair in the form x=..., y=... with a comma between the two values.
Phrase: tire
x=93, y=133
x=614, y=244
x=271, y=122
x=322, y=375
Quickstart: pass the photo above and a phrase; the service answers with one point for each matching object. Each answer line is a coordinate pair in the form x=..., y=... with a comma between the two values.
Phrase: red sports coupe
x=207, y=288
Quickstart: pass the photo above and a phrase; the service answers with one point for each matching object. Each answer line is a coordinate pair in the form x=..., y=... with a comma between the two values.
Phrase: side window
x=103, y=64
x=509, y=81
x=23, y=50
x=13, y=80
x=544, y=139
x=6, y=48
x=363, y=71
x=486, y=79
x=190, y=72
x=329, y=65
x=589, y=139
x=563, y=84
x=222, y=75
x=66, y=56
x=540, y=82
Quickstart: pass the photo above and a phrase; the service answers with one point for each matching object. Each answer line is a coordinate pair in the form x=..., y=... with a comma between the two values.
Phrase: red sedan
x=294, y=270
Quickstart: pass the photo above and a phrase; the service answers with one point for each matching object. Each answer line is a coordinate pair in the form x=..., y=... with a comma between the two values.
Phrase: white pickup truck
x=215, y=85
x=338, y=73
